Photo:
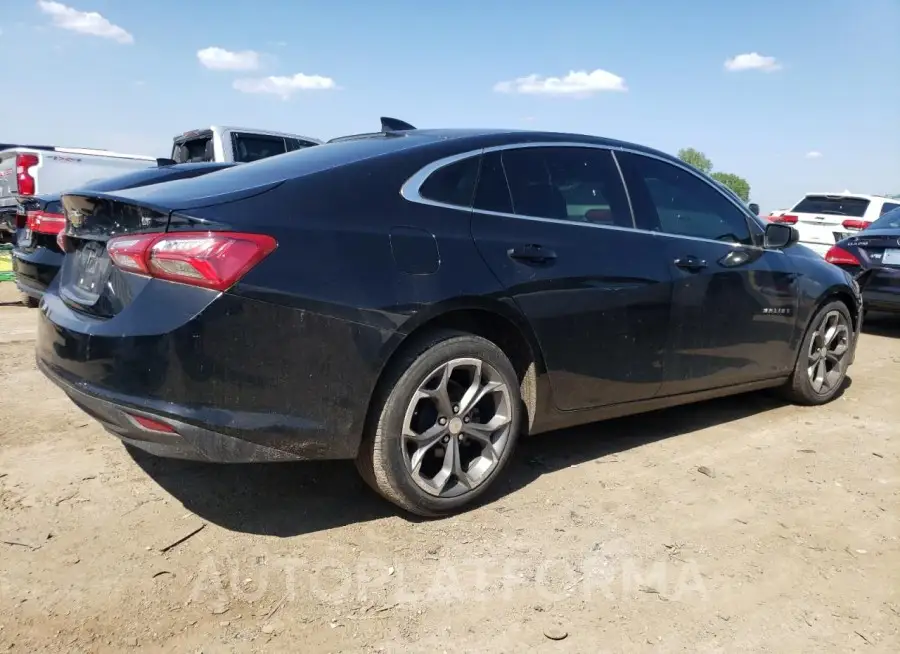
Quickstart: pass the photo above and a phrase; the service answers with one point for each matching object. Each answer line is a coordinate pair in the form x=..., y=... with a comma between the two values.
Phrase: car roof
x=476, y=138
x=848, y=194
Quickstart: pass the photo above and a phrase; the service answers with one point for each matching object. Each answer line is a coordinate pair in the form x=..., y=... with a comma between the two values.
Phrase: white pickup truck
x=27, y=170
x=235, y=144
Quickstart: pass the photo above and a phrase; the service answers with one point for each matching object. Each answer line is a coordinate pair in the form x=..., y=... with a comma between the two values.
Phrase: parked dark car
x=417, y=299
x=873, y=256
x=37, y=256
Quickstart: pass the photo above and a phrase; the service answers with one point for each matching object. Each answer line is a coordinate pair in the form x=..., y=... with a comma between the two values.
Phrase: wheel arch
x=495, y=321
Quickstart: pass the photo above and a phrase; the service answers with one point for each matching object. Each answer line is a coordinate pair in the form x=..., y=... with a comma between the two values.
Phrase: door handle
x=690, y=263
x=531, y=254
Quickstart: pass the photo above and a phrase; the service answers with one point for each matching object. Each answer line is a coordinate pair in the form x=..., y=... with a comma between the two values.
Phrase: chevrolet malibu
x=417, y=300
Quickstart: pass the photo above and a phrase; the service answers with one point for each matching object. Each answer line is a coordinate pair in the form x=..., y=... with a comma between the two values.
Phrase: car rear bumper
x=35, y=269
x=238, y=380
x=887, y=301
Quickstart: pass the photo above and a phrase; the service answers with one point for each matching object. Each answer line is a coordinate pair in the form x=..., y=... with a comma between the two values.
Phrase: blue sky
x=822, y=76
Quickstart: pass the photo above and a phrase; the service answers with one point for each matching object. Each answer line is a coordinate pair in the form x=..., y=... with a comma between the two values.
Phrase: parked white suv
x=823, y=219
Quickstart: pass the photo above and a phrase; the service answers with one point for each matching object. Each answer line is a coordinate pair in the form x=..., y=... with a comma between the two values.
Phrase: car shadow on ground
x=290, y=499
x=882, y=324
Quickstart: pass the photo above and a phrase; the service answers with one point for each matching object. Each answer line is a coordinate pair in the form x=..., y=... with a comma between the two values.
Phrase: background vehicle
x=823, y=219
x=474, y=285
x=873, y=255
x=28, y=170
x=37, y=255
x=235, y=144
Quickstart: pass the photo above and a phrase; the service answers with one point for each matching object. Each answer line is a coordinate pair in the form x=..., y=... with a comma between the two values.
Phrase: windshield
x=833, y=204
x=890, y=220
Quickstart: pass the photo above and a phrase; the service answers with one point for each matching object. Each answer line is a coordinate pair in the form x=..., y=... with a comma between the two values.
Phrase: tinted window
x=888, y=206
x=453, y=184
x=670, y=199
x=248, y=147
x=191, y=151
x=297, y=144
x=890, y=220
x=492, y=193
x=577, y=184
x=833, y=204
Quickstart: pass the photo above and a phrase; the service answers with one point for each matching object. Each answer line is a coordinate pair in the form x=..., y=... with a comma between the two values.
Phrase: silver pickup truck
x=33, y=170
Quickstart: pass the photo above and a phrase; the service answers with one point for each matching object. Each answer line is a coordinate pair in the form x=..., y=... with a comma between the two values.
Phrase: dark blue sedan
x=873, y=255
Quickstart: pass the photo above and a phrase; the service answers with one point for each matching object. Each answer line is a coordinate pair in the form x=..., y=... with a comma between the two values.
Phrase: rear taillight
x=24, y=164
x=209, y=259
x=45, y=223
x=855, y=224
x=786, y=219
x=839, y=256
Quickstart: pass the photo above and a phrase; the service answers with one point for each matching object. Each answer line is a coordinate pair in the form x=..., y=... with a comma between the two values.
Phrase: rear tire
x=823, y=358
x=444, y=424
x=29, y=301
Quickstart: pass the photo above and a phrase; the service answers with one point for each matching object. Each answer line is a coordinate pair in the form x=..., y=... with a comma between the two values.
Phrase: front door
x=554, y=225
x=734, y=302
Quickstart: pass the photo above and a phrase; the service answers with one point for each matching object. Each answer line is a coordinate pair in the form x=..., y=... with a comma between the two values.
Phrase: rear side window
x=492, y=193
x=453, y=184
x=253, y=147
x=574, y=184
x=888, y=206
x=890, y=220
x=297, y=144
x=834, y=205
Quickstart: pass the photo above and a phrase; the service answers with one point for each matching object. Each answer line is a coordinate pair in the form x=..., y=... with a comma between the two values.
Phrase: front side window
x=453, y=184
x=249, y=147
x=670, y=199
x=565, y=183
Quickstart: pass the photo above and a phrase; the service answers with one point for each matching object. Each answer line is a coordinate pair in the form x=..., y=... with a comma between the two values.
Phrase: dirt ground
x=735, y=525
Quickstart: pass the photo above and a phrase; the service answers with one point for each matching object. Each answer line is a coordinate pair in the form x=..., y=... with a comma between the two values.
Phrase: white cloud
x=577, y=83
x=752, y=61
x=813, y=154
x=221, y=59
x=83, y=22
x=284, y=86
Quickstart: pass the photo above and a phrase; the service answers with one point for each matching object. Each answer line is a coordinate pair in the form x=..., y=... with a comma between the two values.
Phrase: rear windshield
x=273, y=169
x=191, y=151
x=890, y=220
x=834, y=205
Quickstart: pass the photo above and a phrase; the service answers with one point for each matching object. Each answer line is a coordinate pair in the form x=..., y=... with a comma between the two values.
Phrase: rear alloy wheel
x=824, y=357
x=446, y=427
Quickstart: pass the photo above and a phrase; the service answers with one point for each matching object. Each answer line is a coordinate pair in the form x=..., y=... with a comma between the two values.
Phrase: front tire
x=824, y=357
x=444, y=426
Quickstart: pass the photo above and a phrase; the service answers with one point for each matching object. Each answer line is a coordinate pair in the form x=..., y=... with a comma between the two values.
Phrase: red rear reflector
x=215, y=260
x=45, y=223
x=855, y=224
x=151, y=424
x=841, y=257
x=24, y=164
x=787, y=219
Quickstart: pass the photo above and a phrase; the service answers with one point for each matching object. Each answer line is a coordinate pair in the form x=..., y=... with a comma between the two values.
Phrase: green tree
x=737, y=184
x=696, y=159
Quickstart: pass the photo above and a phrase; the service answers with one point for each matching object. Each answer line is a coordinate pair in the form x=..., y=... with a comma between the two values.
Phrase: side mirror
x=754, y=208
x=780, y=236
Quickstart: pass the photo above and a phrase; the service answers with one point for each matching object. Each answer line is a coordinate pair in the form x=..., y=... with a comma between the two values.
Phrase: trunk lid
x=88, y=281
x=882, y=249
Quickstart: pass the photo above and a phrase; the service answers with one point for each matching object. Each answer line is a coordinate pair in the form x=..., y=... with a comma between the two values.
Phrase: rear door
x=734, y=302
x=554, y=225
